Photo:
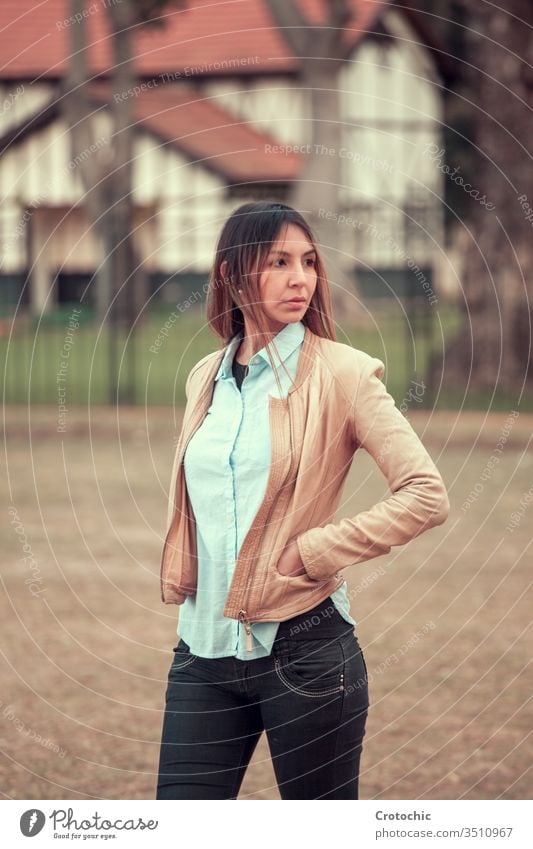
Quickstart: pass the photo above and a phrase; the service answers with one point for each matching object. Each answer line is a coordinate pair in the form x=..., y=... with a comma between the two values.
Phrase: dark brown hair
x=244, y=242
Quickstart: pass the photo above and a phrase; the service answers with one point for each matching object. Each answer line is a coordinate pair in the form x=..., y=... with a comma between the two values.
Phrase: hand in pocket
x=290, y=563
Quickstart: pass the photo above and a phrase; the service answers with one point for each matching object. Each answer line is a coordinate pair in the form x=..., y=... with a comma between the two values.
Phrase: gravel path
x=445, y=622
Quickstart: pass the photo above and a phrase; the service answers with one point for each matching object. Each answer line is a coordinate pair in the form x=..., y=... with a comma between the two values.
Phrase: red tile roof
x=208, y=134
x=211, y=36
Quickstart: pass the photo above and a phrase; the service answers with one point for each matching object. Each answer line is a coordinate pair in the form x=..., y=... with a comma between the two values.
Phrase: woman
x=252, y=553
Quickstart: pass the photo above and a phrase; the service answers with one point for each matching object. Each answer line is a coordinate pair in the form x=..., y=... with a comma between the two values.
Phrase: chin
x=280, y=323
x=291, y=316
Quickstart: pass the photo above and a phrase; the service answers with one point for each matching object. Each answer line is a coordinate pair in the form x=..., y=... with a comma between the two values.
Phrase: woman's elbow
x=441, y=507
x=433, y=504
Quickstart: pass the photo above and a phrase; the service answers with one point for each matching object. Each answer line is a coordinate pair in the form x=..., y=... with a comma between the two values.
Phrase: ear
x=224, y=268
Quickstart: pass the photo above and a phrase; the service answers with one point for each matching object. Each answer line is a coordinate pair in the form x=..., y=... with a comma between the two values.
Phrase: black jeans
x=310, y=696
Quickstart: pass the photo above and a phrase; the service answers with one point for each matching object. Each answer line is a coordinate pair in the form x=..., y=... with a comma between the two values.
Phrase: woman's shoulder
x=201, y=368
x=347, y=363
x=351, y=368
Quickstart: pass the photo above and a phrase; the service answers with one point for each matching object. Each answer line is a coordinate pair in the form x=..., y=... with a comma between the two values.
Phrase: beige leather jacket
x=337, y=404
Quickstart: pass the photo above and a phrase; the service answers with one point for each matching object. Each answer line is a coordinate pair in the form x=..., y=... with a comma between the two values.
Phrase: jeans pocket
x=311, y=667
x=356, y=678
x=364, y=664
x=182, y=656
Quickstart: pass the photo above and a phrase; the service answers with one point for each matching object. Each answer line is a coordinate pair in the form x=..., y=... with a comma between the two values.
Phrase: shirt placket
x=232, y=542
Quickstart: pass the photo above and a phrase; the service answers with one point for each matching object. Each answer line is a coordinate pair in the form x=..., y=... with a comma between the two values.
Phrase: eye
x=310, y=261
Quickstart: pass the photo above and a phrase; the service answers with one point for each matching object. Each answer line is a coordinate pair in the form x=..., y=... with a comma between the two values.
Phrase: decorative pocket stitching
x=190, y=658
x=327, y=691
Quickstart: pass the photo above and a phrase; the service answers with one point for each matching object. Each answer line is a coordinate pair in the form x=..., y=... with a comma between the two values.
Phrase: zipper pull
x=248, y=629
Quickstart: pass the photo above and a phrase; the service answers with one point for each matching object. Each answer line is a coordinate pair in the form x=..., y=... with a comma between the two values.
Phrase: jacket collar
x=204, y=392
x=286, y=341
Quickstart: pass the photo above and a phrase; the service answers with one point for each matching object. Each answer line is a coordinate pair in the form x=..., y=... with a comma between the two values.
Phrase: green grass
x=33, y=357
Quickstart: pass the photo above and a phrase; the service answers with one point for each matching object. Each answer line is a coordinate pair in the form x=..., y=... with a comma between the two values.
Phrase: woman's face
x=289, y=273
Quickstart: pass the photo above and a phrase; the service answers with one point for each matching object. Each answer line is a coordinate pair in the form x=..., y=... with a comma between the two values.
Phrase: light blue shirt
x=226, y=466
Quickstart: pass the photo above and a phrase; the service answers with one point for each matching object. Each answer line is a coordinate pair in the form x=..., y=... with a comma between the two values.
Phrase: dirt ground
x=444, y=622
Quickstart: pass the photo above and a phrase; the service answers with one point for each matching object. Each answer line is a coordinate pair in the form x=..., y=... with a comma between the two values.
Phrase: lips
x=294, y=301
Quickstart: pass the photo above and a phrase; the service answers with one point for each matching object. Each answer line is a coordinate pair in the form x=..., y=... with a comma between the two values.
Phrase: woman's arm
x=419, y=500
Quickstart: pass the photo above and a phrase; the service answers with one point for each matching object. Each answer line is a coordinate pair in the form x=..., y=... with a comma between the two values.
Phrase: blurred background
x=129, y=131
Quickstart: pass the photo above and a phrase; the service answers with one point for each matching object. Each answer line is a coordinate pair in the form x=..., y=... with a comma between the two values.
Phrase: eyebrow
x=287, y=253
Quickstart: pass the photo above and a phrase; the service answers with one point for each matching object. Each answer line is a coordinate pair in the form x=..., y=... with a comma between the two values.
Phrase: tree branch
x=339, y=14
x=76, y=102
x=292, y=23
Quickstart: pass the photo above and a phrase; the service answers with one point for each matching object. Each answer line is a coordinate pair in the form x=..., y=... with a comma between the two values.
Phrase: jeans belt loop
x=282, y=647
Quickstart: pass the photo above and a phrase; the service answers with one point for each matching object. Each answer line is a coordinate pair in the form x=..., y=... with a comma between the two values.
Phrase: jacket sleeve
x=419, y=500
x=174, y=473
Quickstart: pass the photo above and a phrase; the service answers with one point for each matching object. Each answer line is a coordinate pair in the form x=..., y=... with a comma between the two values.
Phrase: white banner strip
x=383, y=823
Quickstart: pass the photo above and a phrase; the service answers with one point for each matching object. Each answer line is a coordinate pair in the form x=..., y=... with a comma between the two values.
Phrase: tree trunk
x=317, y=192
x=127, y=267
x=321, y=53
x=492, y=352
x=107, y=177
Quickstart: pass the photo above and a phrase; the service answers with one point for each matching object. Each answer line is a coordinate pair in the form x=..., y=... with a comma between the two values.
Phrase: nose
x=298, y=274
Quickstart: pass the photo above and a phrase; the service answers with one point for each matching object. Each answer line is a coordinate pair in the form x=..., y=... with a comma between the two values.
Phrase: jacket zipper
x=265, y=524
x=248, y=628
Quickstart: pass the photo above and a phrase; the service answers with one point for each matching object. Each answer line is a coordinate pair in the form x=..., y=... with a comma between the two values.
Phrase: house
x=220, y=118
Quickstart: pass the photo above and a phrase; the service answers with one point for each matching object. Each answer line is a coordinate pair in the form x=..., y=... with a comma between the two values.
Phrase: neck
x=251, y=342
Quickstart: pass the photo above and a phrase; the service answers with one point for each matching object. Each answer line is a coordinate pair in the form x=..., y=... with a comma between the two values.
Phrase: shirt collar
x=286, y=341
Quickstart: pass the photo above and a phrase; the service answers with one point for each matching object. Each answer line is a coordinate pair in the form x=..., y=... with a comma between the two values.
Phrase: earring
x=239, y=290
